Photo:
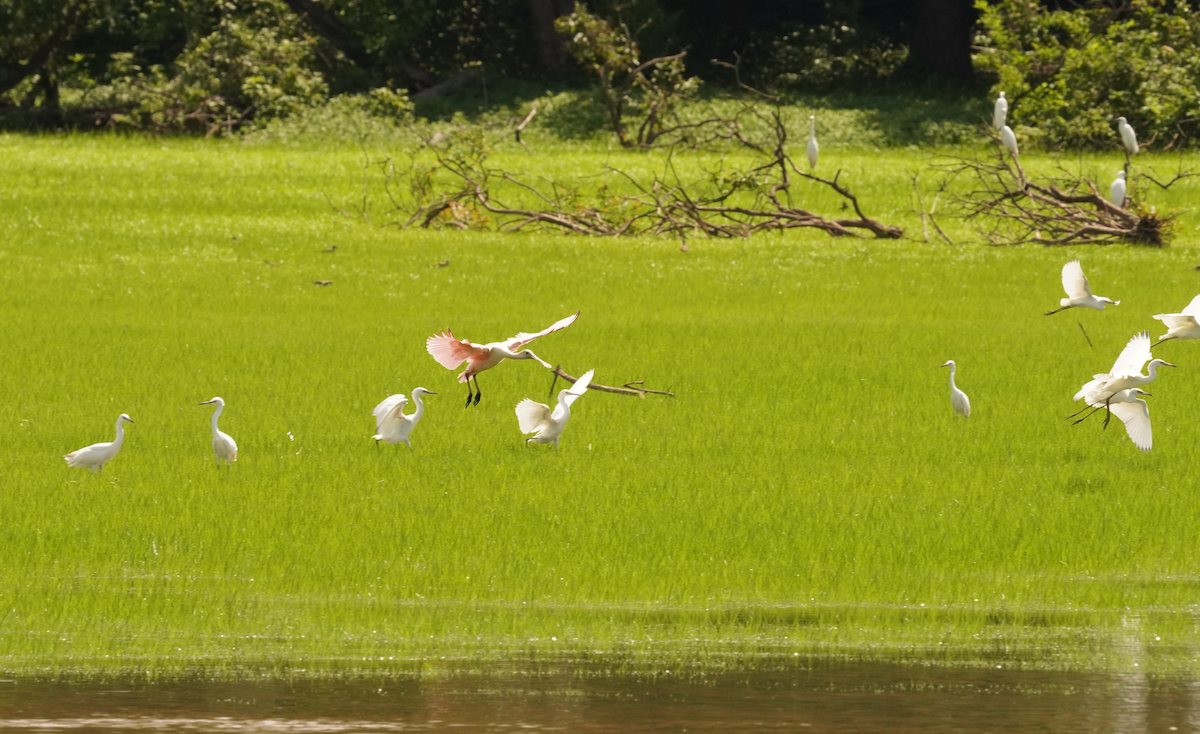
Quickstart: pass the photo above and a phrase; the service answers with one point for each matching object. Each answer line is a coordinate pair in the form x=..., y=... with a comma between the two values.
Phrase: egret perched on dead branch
x=391, y=424
x=813, y=148
x=1079, y=292
x=451, y=352
x=547, y=426
x=1116, y=192
x=1009, y=139
x=223, y=444
x=99, y=454
x=958, y=398
x=1128, y=136
x=1126, y=373
x=1134, y=413
x=1181, y=325
x=1000, y=113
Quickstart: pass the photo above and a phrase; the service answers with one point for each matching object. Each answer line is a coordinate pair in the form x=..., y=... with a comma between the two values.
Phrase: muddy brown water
x=825, y=697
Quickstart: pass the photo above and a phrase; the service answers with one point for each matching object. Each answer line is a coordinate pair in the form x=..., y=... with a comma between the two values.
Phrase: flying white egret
x=223, y=444
x=1009, y=139
x=813, y=148
x=1126, y=373
x=1000, y=113
x=1128, y=136
x=958, y=398
x=1181, y=325
x=451, y=352
x=1079, y=293
x=1134, y=413
x=1116, y=192
x=99, y=454
x=547, y=426
x=392, y=424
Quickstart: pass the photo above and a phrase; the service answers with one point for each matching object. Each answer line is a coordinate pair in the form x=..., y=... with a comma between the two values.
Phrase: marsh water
x=821, y=696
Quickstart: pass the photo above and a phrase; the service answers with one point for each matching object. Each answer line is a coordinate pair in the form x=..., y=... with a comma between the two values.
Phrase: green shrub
x=1069, y=74
x=818, y=58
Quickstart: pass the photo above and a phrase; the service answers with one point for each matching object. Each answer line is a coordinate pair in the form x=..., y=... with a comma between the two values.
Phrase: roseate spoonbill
x=1181, y=325
x=223, y=444
x=1128, y=136
x=99, y=454
x=1116, y=192
x=392, y=424
x=547, y=426
x=1079, y=293
x=1009, y=139
x=1134, y=413
x=958, y=398
x=1126, y=373
x=1000, y=113
x=813, y=148
x=451, y=352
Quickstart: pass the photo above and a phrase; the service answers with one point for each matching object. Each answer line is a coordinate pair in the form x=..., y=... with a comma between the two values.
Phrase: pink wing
x=448, y=351
x=520, y=340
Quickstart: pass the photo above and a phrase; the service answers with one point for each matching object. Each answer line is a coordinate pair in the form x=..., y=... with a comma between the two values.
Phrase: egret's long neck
x=952, y=368
x=1153, y=370
x=420, y=411
x=120, y=433
x=216, y=415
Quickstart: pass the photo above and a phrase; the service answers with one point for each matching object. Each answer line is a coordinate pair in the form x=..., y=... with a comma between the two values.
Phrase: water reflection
x=816, y=696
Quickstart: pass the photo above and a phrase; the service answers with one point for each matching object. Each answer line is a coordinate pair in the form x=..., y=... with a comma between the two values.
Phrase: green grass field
x=808, y=490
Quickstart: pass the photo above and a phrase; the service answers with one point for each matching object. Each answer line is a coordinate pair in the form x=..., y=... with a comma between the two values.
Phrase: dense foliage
x=1069, y=74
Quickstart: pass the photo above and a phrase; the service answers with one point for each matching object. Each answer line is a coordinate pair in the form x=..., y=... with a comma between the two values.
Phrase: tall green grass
x=809, y=488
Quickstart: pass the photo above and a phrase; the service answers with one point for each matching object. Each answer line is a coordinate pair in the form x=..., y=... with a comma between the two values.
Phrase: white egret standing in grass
x=958, y=398
x=1134, y=413
x=99, y=454
x=1079, y=292
x=391, y=424
x=1126, y=373
x=1116, y=192
x=223, y=444
x=547, y=425
x=1181, y=325
x=1000, y=113
x=451, y=352
x=1128, y=136
x=813, y=148
x=1009, y=139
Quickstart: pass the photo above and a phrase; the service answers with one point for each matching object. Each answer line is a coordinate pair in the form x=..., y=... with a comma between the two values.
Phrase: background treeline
x=220, y=66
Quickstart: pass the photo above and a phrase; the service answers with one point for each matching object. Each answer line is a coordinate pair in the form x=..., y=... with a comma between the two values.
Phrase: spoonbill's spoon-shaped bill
x=958, y=398
x=451, y=352
x=391, y=424
x=99, y=454
x=547, y=425
x=223, y=444
x=1181, y=325
x=1079, y=292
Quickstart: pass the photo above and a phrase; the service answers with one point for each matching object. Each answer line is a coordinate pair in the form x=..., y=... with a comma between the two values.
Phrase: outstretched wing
x=448, y=351
x=391, y=404
x=1135, y=355
x=1075, y=283
x=574, y=392
x=532, y=415
x=1136, y=417
x=1193, y=308
x=520, y=340
x=1176, y=320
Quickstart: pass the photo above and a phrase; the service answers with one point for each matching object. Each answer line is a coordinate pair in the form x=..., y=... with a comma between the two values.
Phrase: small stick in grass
x=1085, y=334
x=629, y=388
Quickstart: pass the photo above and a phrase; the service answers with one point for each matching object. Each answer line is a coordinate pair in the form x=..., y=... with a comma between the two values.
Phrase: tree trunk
x=941, y=40
x=552, y=55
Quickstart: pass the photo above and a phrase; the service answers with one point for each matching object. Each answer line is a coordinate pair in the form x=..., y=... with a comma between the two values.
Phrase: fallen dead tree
x=1010, y=208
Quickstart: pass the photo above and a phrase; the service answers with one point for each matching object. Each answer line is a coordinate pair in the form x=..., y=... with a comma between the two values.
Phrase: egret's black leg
x=1108, y=410
x=1089, y=415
